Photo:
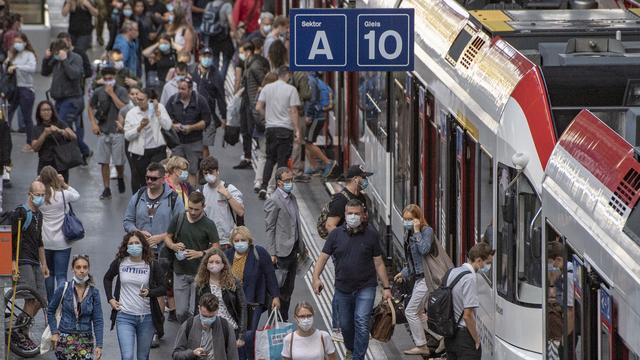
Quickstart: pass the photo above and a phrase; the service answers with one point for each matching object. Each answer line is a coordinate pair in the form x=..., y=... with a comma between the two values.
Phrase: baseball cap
x=357, y=170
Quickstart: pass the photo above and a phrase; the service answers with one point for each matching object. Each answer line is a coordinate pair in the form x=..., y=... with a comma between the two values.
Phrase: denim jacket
x=90, y=313
x=419, y=245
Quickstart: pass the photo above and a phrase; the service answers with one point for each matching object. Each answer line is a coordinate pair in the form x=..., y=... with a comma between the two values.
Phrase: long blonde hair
x=227, y=280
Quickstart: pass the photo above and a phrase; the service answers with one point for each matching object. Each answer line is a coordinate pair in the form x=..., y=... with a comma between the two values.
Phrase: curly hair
x=147, y=254
x=227, y=281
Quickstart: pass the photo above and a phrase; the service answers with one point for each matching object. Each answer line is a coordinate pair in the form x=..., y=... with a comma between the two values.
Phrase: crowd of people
x=155, y=100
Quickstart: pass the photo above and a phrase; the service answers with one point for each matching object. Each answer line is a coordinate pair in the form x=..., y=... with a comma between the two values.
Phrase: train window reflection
x=506, y=232
x=32, y=11
x=403, y=141
x=485, y=203
x=372, y=91
x=529, y=265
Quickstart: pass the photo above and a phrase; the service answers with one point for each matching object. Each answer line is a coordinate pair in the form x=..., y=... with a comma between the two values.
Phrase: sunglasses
x=80, y=256
x=152, y=178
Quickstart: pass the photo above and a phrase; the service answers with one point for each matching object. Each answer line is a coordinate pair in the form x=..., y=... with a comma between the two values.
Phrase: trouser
x=355, y=309
x=279, y=143
x=132, y=329
x=184, y=291
x=254, y=312
x=24, y=100
x=139, y=163
x=289, y=264
x=298, y=152
x=224, y=47
x=81, y=43
x=246, y=125
x=414, y=309
x=70, y=112
x=462, y=346
x=260, y=158
x=58, y=263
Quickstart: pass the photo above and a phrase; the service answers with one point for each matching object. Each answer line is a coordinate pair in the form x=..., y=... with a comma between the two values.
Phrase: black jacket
x=5, y=145
x=156, y=289
x=234, y=301
x=211, y=86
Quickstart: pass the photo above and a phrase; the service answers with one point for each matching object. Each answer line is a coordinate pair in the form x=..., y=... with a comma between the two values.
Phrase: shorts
x=209, y=135
x=313, y=130
x=31, y=275
x=110, y=149
x=192, y=152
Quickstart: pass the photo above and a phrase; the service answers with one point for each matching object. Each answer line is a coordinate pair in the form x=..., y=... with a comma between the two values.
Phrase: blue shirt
x=138, y=217
x=129, y=50
x=90, y=313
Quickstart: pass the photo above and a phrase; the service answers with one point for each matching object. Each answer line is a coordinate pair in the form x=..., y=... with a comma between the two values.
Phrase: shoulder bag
x=72, y=227
x=435, y=265
x=67, y=155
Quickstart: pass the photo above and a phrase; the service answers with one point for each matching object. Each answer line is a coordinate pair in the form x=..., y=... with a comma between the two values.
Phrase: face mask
x=305, y=324
x=353, y=220
x=287, y=187
x=38, y=201
x=118, y=65
x=266, y=29
x=364, y=184
x=208, y=321
x=206, y=61
x=110, y=82
x=164, y=47
x=408, y=224
x=215, y=268
x=242, y=56
x=241, y=246
x=486, y=268
x=127, y=12
x=170, y=19
x=209, y=178
x=179, y=78
x=170, y=7
x=56, y=57
x=134, y=249
x=180, y=255
x=184, y=175
x=79, y=280
x=19, y=46
x=552, y=268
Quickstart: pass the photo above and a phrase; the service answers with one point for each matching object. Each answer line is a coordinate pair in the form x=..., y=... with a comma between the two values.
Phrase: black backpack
x=211, y=20
x=441, y=317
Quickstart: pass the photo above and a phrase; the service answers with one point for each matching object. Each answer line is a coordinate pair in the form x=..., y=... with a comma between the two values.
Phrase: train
x=517, y=127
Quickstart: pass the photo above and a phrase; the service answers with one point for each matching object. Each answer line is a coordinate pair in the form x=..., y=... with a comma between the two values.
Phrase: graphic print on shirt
x=134, y=276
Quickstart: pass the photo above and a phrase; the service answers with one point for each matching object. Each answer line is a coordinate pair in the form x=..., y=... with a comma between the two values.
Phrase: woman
x=79, y=300
x=214, y=277
x=419, y=239
x=56, y=248
x=142, y=129
x=161, y=57
x=183, y=34
x=135, y=310
x=22, y=62
x=252, y=265
x=48, y=133
x=307, y=342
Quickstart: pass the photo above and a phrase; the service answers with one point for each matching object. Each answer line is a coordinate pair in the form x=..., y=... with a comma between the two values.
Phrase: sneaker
x=85, y=158
x=256, y=186
x=336, y=335
x=328, y=168
x=121, y=187
x=244, y=164
x=262, y=195
x=312, y=171
x=155, y=342
x=106, y=194
x=302, y=178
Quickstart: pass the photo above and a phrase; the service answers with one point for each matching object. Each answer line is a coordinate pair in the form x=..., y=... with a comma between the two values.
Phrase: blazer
x=259, y=276
x=282, y=227
x=234, y=301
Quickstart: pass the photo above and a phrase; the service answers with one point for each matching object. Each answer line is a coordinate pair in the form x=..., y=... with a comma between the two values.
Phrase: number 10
x=371, y=36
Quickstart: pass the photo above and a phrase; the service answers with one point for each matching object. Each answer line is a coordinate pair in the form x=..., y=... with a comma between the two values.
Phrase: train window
x=632, y=226
x=404, y=135
x=372, y=91
x=559, y=299
x=485, y=203
x=32, y=11
x=505, y=232
x=459, y=44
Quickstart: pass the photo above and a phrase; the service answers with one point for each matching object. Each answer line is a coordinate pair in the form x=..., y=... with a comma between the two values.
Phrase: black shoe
x=155, y=342
x=106, y=194
x=121, y=187
x=85, y=158
x=172, y=316
x=244, y=164
x=262, y=195
x=302, y=178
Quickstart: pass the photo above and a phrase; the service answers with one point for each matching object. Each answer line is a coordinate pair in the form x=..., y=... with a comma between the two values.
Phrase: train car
x=590, y=205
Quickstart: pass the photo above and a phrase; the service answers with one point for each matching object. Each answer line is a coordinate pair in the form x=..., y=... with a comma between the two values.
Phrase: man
x=171, y=87
x=245, y=17
x=86, y=63
x=67, y=88
x=223, y=202
x=191, y=115
x=279, y=31
x=556, y=295
x=466, y=342
x=356, y=249
x=283, y=234
x=210, y=84
x=124, y=76
x=266, y=22
x=105, y=103
x=315, y=112
x=81, y=13
x=127, y=43
x=357, y=180
x=278, y=103
x=30, y=268
x=189, y=237
x=221, y=42
x=206, y=335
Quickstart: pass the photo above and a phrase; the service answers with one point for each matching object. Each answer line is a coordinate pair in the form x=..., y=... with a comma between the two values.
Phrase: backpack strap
x=293, y=334
x=28, y=217
x=139, y=195
x=181, y=217
x=453, y=284
x=189, y=323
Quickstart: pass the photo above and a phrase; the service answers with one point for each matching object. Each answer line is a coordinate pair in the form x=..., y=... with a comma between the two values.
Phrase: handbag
x=45, y=340
x=383, y=321
x=171, y=137
x=67, y=155
x=72, y=227
x=269, y=339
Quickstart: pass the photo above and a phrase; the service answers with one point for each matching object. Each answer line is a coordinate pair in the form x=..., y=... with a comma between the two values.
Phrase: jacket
x=136, y=217
x=418, y=245
x=67, y=76
x=234, y=301
x=189, y=340
x=211, y=87
x=282, y=227
x=259, y=277
x=156, y=289
x=5, y=145
x=133, y=119
x=90, y=313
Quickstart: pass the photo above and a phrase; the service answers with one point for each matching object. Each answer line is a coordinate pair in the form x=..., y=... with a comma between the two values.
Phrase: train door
x=445, y=204
x=428, y=157
x=464, y=192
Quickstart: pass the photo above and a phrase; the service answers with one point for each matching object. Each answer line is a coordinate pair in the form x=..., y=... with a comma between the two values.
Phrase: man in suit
x=283, y=235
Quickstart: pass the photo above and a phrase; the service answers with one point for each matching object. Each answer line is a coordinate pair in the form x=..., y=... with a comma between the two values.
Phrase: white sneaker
x=336, y=335
x=7, y=173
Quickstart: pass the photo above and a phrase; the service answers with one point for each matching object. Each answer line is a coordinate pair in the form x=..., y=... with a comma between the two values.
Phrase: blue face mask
x=241, y=246
x=206, y=61
x=19, y=46
x=56, y=57
x=184, y=175
x=134, y=249
x=364, y=183
x=127, y=12
x=287, y=187
x=170, y=19
x=208, y=321
x=38, y=201
x=169, y=7
x=408, y=224
x=164, y=47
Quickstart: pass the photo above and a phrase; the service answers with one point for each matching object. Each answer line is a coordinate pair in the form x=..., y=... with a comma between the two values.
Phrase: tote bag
x=269, y=340
x=45, y=340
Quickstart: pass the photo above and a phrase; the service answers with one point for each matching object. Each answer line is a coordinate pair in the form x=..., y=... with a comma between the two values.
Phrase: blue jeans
x=247, y=351
x=355, y=310
x=58, y=263
x=132, y=328
x=25, y=100
x=70, y=112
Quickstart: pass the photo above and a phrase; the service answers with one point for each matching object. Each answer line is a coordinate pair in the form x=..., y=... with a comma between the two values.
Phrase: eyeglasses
x=35, y=194
x=152, y=178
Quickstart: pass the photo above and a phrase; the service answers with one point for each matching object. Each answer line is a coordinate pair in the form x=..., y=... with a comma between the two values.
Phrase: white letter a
x=320, y=40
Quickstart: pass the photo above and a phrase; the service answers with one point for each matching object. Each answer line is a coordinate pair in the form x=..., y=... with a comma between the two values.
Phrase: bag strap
x=181, y=217
x=64, y=203
x=293, y=334
x=59, y=308
x=393, y=311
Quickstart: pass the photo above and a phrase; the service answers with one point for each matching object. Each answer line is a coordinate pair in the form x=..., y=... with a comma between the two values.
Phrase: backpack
x=238, y=220
x=325, y=93
x=173, y=197
x=441, y=316
x=321, y=225
x=212, y=24
x=28, y=216
x=225, y=329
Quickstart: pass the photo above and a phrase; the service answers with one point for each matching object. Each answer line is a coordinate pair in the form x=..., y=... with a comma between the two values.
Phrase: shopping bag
x=268, y=343
x=45, y=340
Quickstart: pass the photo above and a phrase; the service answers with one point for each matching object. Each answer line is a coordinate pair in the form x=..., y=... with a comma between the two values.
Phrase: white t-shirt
x=222, y=309
x=217, y=209
x=309, y=347
x=278, y=97
x=52, y=218
x=134, y=276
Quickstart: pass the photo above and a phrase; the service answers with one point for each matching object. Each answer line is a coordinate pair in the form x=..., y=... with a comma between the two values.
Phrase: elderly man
x=127, y=43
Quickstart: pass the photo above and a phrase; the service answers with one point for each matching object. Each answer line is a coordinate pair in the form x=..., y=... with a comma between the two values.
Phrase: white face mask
x=353, y=220
x=210, y=178
x=305, y=324
x=242, y=56
x=215, y=268
x=80, y=280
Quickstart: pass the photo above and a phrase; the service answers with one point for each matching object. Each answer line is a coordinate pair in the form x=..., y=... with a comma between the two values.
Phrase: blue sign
x=351, y=39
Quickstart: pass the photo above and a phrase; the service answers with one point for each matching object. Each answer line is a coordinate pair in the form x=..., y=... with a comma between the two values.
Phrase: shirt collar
x=469, y=267
x=283, y=193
